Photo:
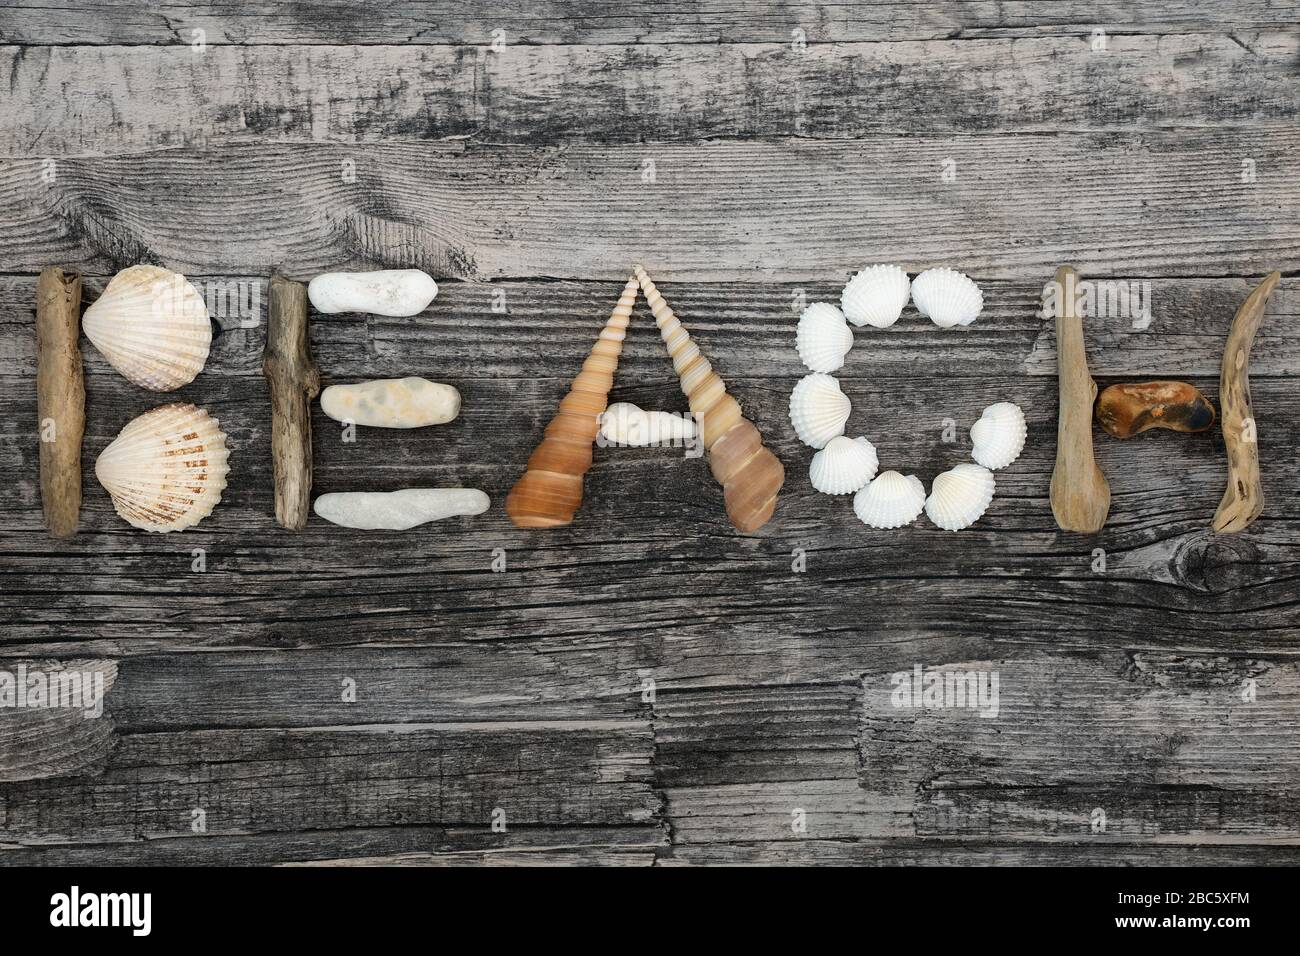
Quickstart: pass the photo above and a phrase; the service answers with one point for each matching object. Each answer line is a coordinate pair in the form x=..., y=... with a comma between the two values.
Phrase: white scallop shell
x=823, y=337
x=818, y=409
x=876, y=296
x=166, y=469
x=152, y=325
x=890, y=500
x=999, y=435
x=843, y=466
x=947, y=296
x=625, y=424
x=959, y=496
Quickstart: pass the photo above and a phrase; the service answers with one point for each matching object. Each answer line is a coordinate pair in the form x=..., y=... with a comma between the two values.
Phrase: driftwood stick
x=294, y=381
x=60, y=398
x=1079, y=492
x=1243, y=499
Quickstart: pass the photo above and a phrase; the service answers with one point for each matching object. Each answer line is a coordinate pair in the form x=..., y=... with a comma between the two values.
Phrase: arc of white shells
x=998, y=438
x=960, y=496
x=398, y=510
x=625, y=424
x=392, y=403
x=395, y=292
x=153, y=326
x=947, y=297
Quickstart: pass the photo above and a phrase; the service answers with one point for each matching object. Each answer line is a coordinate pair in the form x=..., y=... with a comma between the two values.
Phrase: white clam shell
x=625, y=424
x=818, y=409
x=959, y=496
x=843, y=466
x=392, y=403
x=947, y=296
x=384, y=292
x=998, y=437
x=398, y=510
x=152, y=325
x=890, y=500
x=166, y=469
x=823, y=337
x=876, y=296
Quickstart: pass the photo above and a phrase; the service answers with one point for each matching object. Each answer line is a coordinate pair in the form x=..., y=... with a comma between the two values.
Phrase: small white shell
x=959, y=496
x=818, y=409
x=948, y=297
x=891, y=500
x=383, y=292
x=843, y=466
x=876, y=296
x=823, y=338
x=625, y=424
x=152, y=325
x=166, y=469
x=999, y=435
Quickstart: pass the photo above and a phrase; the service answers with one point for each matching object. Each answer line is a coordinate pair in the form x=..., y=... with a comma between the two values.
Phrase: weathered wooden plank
x=53, y=720
x=549, y=94
x=1140, y=745
x=437, y=22
x=809, y=852
x=1159, y=203
x=390, y=844
x=540, y=330
x=584, y=773
x=1087, y=748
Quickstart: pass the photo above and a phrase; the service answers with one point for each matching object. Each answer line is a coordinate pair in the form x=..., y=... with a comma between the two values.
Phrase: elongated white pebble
x=385, y=292
x=392, y=403
x=399, y=510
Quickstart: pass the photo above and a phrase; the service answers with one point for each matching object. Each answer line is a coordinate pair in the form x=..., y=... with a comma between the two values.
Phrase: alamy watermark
x=933, y=689
x=31, y=688
x=1100, y=299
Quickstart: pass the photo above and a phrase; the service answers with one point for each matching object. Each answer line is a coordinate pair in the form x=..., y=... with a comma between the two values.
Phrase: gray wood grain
x=672, y=92
x=1161, y=203
x=645, y=687
x=445, y=22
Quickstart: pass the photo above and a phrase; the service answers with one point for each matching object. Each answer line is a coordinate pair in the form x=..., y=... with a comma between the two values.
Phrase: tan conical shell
x=166, y=469
x=152, y=325
x=750, y=475
x=550, y=491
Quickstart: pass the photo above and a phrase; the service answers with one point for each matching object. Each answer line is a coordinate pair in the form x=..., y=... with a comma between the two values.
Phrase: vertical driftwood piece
x=60, y=398
x=1243, y=499
x=1079, y=492
x=294, y=381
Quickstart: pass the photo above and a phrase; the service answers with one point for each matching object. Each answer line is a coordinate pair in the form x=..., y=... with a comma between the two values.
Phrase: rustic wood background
x=516, y=164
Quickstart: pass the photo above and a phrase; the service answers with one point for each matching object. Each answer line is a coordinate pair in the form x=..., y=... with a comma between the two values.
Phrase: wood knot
x=1213, y=563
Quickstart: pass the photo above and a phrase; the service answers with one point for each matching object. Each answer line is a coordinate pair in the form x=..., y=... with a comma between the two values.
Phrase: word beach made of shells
x=166, y=469
x=153, y=326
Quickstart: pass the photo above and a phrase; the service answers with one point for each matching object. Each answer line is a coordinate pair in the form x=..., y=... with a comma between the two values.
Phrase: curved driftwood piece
x=1243, y=499
x=294, y=381
x=60, y=398
x=1128, y=410
x=1079, y=493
